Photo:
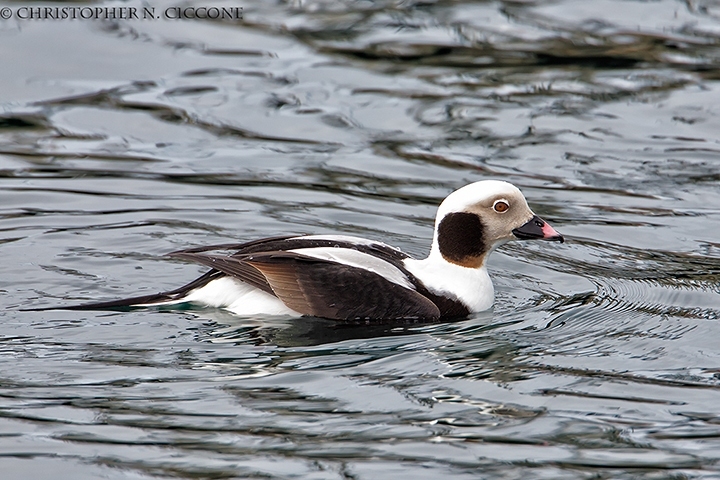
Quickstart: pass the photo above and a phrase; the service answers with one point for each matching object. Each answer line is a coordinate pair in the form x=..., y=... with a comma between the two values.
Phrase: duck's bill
x=538, y=229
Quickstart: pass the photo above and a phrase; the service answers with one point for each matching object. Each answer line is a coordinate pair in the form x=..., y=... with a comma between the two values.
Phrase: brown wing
x=333, y=290
x=322, y=288
x=233, y=266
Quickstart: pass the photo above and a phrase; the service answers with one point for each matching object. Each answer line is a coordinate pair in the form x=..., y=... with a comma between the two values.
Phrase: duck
x=347, y=278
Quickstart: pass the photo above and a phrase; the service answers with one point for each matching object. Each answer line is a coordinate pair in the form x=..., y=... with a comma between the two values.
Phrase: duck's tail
x=172, y=297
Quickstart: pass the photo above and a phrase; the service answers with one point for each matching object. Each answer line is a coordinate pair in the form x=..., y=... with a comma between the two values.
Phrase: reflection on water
x=122, y=141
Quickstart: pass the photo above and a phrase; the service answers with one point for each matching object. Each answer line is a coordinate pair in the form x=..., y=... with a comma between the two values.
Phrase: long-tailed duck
x=348, y=278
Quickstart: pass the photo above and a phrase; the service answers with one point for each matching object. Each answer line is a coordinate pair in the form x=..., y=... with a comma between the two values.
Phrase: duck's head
x=475, y=219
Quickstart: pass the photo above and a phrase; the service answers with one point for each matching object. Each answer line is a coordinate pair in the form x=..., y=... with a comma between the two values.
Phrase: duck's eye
x=501, y=206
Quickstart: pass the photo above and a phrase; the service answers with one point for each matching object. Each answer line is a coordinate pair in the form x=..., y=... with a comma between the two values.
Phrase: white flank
x=237, y=297
x=353, y=258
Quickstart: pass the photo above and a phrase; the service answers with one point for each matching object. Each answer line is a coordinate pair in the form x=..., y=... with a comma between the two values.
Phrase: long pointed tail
x=162, y=298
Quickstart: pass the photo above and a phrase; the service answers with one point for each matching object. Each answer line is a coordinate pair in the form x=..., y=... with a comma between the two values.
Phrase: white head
x=472, y=221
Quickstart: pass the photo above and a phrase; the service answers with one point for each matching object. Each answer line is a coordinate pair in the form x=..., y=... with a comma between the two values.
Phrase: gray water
x=121, y=141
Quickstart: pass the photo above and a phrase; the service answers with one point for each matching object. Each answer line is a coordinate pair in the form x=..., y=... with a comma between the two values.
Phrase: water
x=123, y=141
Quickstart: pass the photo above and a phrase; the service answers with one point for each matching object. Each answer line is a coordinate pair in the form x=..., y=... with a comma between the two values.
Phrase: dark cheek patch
x=460, y=237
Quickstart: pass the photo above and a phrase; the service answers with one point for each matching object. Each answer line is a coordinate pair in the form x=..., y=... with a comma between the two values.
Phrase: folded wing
x=322, y=288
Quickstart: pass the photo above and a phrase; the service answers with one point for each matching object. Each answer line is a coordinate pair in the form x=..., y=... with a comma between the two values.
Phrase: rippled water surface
x=121, y=141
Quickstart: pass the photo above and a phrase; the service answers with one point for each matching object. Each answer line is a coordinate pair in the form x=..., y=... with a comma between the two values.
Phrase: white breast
x=472, y=286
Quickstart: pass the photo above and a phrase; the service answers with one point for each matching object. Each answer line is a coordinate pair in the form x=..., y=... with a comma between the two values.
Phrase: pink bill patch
x=549, y=232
